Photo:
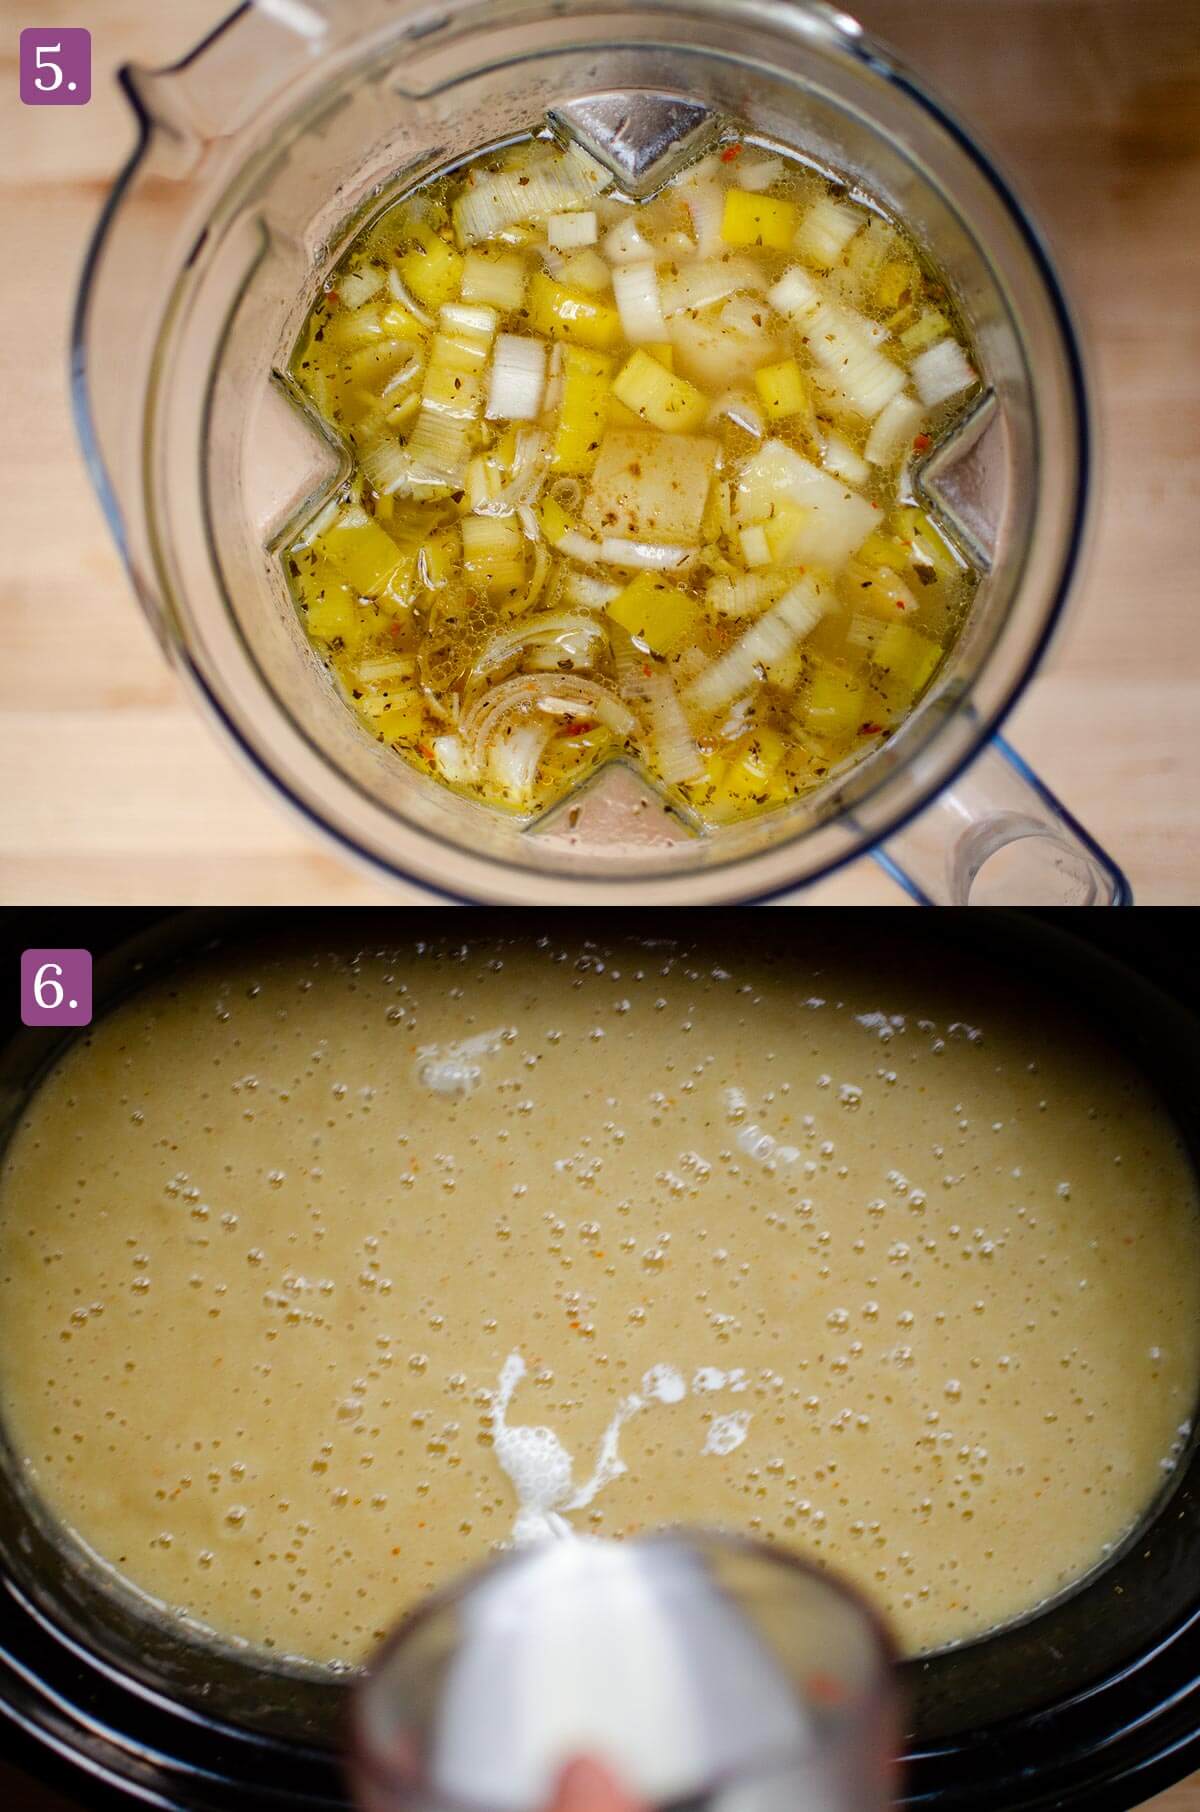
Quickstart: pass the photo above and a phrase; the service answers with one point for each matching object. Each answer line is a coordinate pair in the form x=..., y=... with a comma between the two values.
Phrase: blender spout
x=641, y=135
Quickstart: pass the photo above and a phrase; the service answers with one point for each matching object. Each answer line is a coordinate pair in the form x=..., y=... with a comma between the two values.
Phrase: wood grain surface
x=118, y=792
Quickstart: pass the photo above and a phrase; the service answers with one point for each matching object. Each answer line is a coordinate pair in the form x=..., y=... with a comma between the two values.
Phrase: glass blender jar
x=266, y=150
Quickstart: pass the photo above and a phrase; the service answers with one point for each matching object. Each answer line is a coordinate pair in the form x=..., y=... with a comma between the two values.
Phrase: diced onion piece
x=587, y=590
x=742, y=594
x=569, y=231
x=835, y=520
x=513, y=760
x=493, y=552
x=518, y=378
x=650, y=689
x=407, y=374
x=494, y=277
x=706, y=205
x=471, y=321
x=377, y=670
x=840, y=458
x=453, y=760
x=555, y=694
x=398, y=289
x=587, y=270
x=483, y=481
x=577, y=546
x=825, y=231
x=893, y=430
x=795, y=295
x=624, y=244
x=500, y=199
x=389, y=467
x=524, y=479
x=841, y=344
x=549, y=626
x=645, y=556
x=757, y=177
x=740, y=408
x=658, y=396
x=356, y=287
x=709, y=280
x=880, y=588
x=864, y=631
x=703, y=170
x=767, y=640
x=756, y=550
x=635, y=287
x=942, y=372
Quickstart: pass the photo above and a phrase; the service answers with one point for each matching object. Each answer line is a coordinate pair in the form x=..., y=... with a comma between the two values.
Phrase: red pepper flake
x=870, y=729
x=425, y=749
x=921, y=443
x=577, y=726
x=730, y=152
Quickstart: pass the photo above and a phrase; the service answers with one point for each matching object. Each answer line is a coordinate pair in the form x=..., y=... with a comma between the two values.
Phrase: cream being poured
x=542, y=1471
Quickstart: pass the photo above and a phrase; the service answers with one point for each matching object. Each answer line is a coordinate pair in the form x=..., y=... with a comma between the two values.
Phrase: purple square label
x=56, y=987
x=56, y=66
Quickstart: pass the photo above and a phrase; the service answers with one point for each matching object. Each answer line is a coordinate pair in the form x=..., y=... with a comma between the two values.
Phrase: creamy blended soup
x=325, y=1270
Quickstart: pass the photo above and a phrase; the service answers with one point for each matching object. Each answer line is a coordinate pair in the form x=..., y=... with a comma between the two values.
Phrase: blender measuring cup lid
x=683, y=1663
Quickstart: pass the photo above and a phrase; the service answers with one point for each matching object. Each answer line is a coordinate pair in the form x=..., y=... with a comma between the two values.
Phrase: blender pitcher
x=268, y=148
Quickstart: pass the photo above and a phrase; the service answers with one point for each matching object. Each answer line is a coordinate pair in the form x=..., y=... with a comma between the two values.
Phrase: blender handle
x=996, y=836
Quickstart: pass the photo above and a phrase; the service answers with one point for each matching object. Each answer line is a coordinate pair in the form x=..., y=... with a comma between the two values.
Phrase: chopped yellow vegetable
x=783, y=390
x=663, y=351
x=619, y=416
x=656, y=612
x=756, y=772
x=923, y=543
x=584, y=411
x=657, y=396
x=882, y=549
x=834, y=700
x=927, y=328
x=331, y=618
x=364, y=554
x=758, y=220
x=399, y=323
x=781, y=530
x=432, y=270
x=906, y=656
x=897, y=280
x=879, y=589
x=554, y=520
x=572, y=314
x=396, y=716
